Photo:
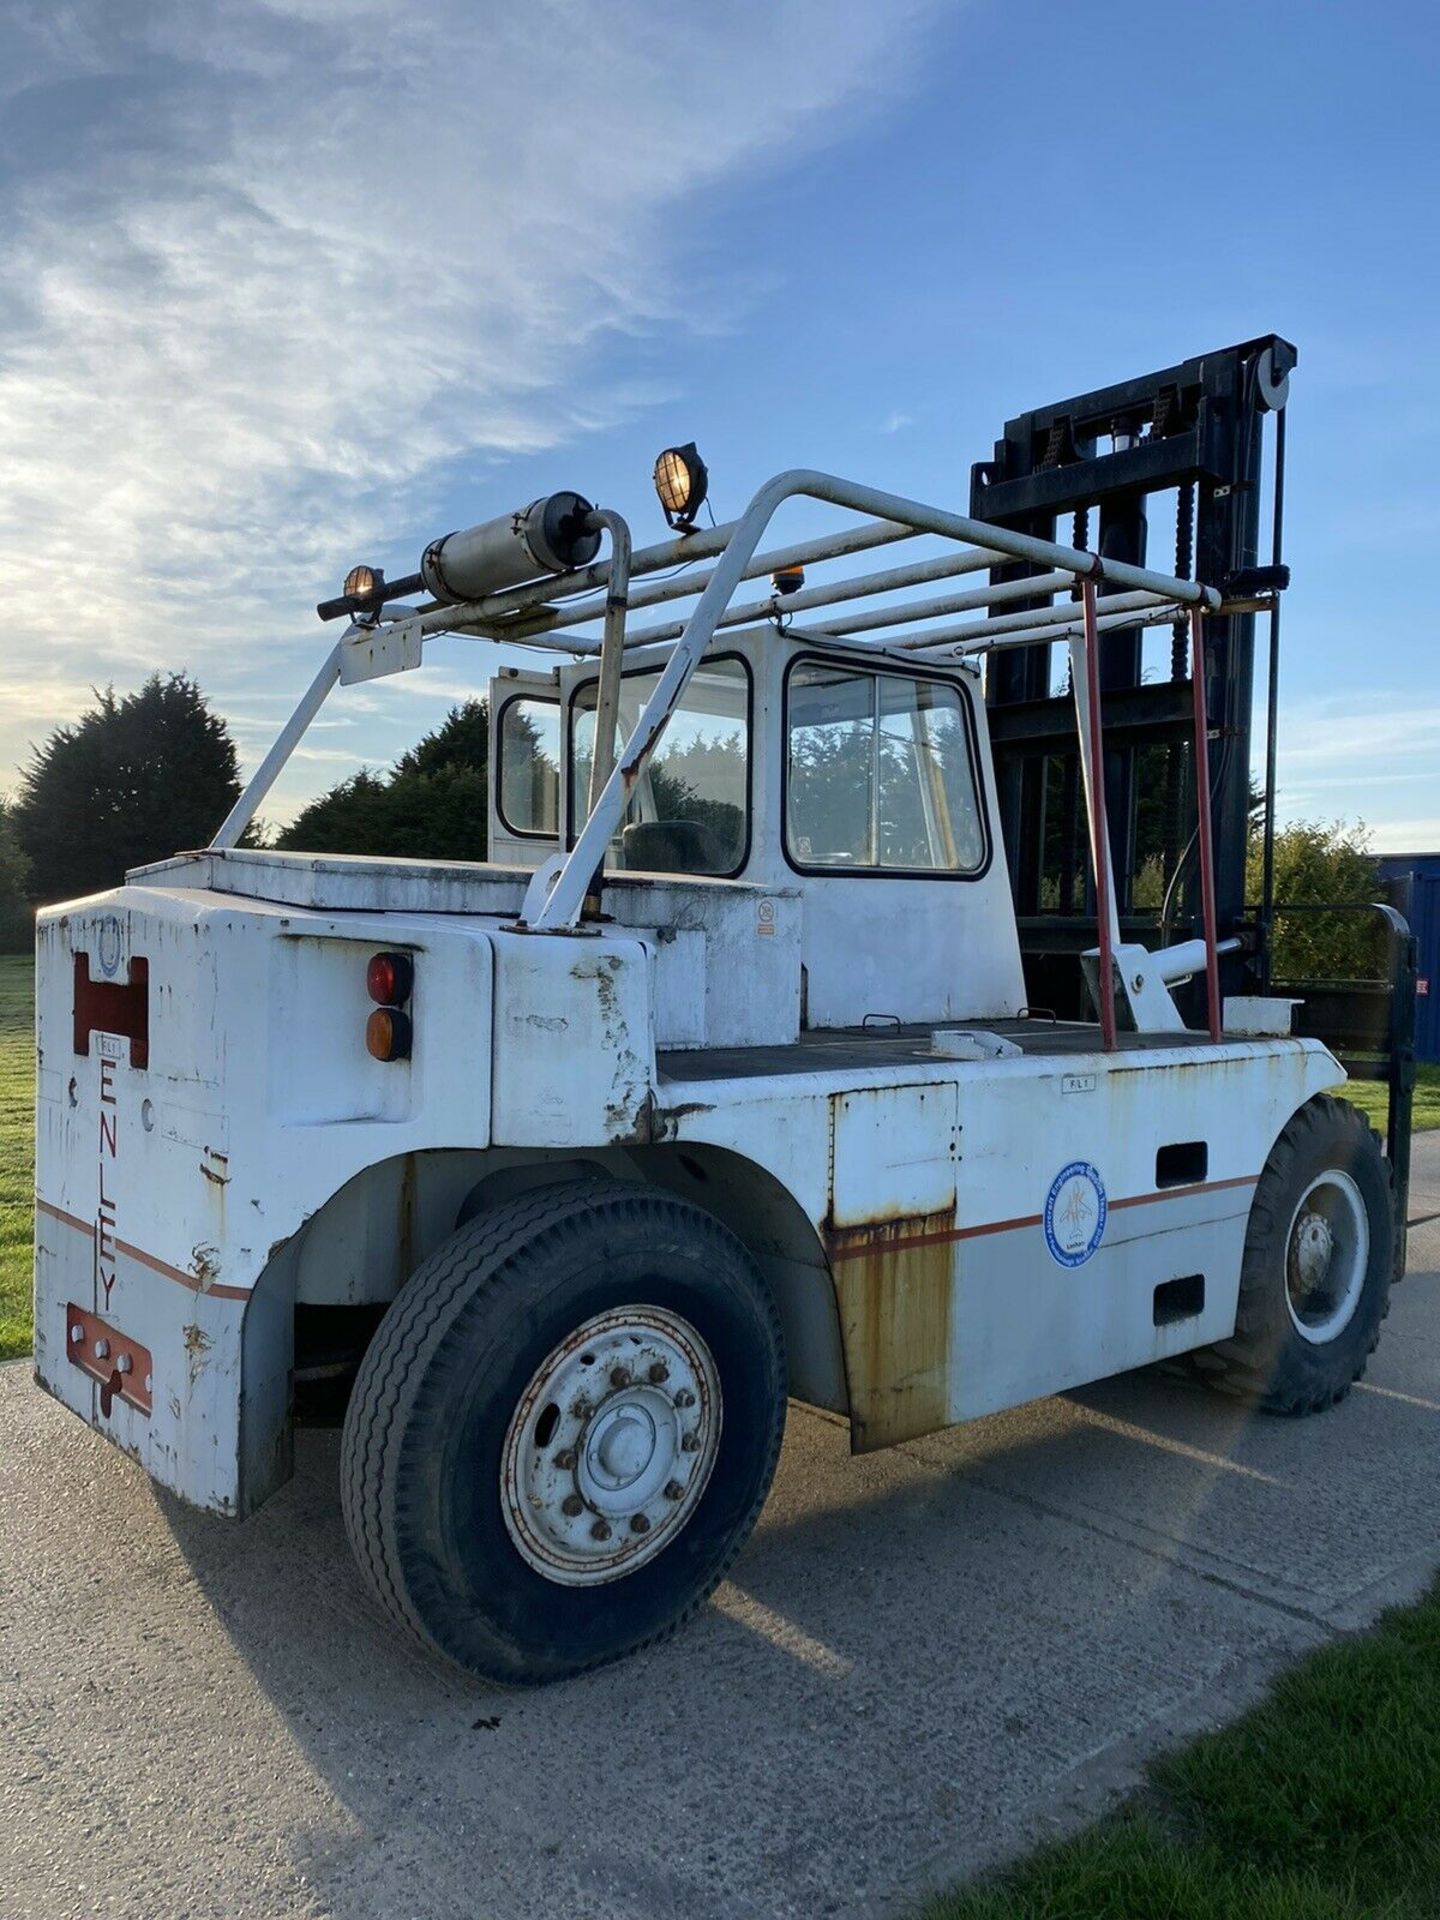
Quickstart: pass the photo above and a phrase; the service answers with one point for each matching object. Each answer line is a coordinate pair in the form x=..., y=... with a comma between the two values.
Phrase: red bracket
x=1205, y=827
x=122, y=1366
x=1099, y=825
x=107, y=1006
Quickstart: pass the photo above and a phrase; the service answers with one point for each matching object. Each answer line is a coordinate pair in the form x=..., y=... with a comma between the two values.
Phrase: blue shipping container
x=1414, y=887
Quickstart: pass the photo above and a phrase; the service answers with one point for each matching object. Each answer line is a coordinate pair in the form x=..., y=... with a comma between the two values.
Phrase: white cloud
x=283, y=265
x=1364, y=756
x=1420, y=835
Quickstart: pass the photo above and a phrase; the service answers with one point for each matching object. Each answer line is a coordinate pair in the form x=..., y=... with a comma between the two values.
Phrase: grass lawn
x=1370, y=1097
x=1319, y=1805
x=17, y=1149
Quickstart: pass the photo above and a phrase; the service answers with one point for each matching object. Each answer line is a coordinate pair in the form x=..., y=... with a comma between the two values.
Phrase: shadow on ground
x=923, y=1655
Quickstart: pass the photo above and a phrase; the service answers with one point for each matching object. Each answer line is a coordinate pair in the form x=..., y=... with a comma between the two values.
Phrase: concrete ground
x=926, y=1659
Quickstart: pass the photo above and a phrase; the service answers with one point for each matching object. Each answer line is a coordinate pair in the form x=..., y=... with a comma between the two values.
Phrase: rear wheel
x=564, y=1430
x=1315, y=1279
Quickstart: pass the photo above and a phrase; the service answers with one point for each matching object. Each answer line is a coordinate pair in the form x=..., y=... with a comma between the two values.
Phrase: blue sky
x=297, y=283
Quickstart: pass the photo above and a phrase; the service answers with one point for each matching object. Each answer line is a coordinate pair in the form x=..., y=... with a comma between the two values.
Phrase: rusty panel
x=894, y=1152
x=894, y=1283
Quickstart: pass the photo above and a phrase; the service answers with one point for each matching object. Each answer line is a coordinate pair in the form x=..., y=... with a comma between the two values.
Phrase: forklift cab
x=860, y=780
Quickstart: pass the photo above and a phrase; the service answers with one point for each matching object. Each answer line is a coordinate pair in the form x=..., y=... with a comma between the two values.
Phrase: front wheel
x=564, y=1429
x=1315, y=1278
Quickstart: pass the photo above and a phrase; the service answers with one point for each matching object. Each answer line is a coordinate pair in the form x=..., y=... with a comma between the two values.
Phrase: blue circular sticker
x=109, y=955
x=1075, y=1212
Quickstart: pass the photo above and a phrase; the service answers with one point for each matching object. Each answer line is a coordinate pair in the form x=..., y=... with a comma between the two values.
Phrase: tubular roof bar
x=939, y=643
x=835, y=546
x=1034, y=587
x=967, y=560
x=557, y=890
x=540, y=595
x=959, y=643
x=1066, y=614
x=286, y=741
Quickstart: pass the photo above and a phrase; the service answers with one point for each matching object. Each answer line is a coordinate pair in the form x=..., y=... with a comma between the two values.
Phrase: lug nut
x=600, y=1530
x=639, y=1523
x=571, y=1505
x=659, y=1371
x=690, y=1443
x=620, y=1376
x=673, y=1490
x=565, y=1459
x=684, y=1398
x=102, y=1349
x=581, y=1410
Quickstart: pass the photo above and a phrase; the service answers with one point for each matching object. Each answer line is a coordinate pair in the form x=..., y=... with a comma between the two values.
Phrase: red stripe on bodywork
x=144, y=1259
x=1034, y=1219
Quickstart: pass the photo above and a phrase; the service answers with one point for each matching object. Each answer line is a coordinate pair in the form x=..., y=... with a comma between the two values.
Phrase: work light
x=360, y=582
x=681, y=480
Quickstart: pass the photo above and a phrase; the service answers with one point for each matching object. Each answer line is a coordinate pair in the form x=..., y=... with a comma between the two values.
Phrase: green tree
x=431, y=805
x=17, y=917
x=133, y=780
x=1322, y=863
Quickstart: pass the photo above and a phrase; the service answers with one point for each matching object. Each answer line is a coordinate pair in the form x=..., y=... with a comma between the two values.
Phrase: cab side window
x=528, y=788
x=880, y=773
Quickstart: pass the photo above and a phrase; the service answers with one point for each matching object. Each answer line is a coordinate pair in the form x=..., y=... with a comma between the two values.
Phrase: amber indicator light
x=387, y=1034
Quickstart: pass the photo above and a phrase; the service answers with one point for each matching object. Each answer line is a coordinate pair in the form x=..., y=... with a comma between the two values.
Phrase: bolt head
x=690, y=1443
x=581, y=1410
x=684, y=1398
x=572, y=1505
x=77, y=1333
x=149, y=1383
x=124, y=1363
x=673, y=1490
x=639, y=1523
x=620, y=1376
x=659, y=1371
x=102, y=1349
x=600, y=1530
x=565, y=1460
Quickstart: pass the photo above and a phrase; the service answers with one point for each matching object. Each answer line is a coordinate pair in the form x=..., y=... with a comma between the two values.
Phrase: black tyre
x=564, y=1429
x=1315, y=1278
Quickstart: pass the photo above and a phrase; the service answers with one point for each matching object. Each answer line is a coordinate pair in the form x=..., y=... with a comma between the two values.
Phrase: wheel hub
x=1314, y=1245
x=610, y=1446
x=1327, y=1256
x=621, y=1452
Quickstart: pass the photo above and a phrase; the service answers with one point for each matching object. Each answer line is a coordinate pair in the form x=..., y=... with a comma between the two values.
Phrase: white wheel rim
x=610, y=1446
x=1327, y=1255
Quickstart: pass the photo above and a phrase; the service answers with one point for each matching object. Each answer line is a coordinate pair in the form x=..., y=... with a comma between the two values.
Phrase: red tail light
x=389, y=978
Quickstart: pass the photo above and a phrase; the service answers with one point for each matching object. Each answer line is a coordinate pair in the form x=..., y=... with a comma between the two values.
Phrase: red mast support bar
x=1099, y=829
x=1202, y=801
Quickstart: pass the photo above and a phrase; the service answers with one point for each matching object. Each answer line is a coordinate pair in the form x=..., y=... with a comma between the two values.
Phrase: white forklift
x=720, y=1085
